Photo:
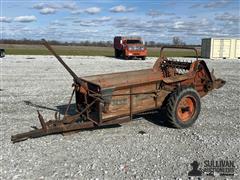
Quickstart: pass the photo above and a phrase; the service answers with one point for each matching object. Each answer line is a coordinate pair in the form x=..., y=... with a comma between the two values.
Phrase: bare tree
x=177, y=41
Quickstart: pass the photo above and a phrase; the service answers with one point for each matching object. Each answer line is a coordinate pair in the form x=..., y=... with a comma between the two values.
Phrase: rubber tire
x=117, y=53
x=143, y=58
x=124, y=56
x=172, y=103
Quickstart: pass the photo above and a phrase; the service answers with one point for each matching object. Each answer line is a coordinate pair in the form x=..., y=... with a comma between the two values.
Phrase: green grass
x=172, y=53
x=83, y=50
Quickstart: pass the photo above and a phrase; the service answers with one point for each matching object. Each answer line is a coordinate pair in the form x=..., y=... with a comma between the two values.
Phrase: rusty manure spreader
x=111, y=99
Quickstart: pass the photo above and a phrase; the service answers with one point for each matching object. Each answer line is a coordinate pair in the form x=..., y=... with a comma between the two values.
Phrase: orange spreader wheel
x=183, y=107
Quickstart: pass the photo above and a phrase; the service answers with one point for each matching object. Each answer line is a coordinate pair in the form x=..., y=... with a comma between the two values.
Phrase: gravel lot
x=29, y=83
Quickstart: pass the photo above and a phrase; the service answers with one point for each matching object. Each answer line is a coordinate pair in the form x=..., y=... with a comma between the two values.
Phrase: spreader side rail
x=178, y=47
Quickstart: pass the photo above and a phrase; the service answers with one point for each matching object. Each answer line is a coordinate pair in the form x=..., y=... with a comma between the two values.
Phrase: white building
x=221, y=48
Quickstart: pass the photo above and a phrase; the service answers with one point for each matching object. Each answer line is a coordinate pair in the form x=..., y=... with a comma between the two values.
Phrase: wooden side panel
x=120, y=105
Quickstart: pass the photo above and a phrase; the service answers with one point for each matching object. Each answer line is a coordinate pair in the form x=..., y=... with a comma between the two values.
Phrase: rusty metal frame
x=178, y=47
x=74, y=122
x=68, y=123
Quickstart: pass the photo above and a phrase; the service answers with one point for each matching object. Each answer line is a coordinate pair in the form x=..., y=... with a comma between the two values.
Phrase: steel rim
x=186, y=108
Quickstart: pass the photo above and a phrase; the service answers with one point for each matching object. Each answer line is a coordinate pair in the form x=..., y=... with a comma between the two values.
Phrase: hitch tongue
x=43, y=124
x=33, y=133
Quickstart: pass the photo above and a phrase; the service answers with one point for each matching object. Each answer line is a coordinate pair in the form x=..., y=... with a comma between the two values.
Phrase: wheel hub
x=186, y=108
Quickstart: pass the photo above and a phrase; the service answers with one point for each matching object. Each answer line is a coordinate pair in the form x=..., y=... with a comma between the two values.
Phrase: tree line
x=175, y=41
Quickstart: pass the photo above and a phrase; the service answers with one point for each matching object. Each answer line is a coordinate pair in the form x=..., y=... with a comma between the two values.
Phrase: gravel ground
x=29, y=83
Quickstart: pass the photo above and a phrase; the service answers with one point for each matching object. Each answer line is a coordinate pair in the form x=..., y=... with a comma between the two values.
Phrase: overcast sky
x=157, y=20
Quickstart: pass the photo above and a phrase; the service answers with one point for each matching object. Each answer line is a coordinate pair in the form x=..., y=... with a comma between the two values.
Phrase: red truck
x=129, y=47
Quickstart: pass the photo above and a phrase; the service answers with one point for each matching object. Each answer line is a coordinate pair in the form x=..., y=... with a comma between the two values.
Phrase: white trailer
x=221, y=48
